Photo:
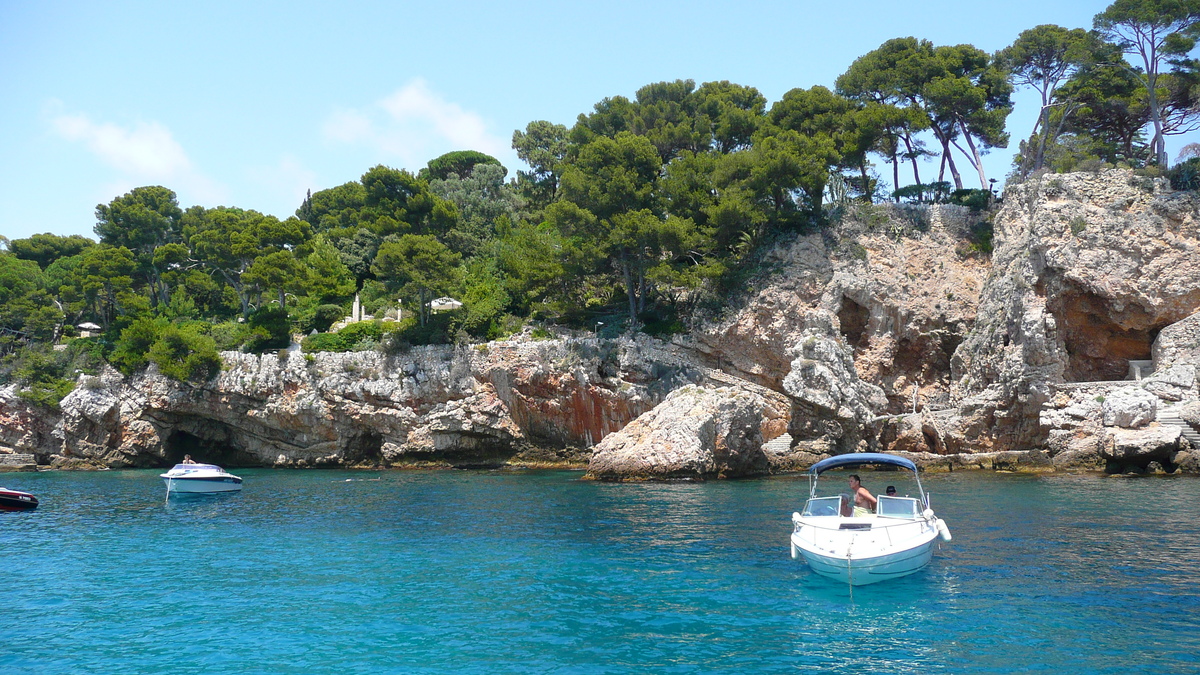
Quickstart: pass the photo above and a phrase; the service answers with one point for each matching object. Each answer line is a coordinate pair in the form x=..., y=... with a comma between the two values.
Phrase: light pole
x=597, y=331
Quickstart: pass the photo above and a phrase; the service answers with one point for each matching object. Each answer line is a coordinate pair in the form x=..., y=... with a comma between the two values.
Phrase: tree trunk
x=944, y=139
x=895, y=175
x=912, y=156
x=953, y=170
x=1044, y=122
x=630, y=294
x=1150, y=60
x=978, y=160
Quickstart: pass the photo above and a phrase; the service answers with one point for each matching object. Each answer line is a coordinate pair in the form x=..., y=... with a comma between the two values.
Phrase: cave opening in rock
x=204, y=450
x=1100, y=342
x=853, y=318
x=366, y=448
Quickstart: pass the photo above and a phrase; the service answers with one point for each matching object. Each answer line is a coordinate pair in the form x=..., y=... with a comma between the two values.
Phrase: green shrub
x=1093, y=165
x=924, y=193
x=1186, y=175
x=229, y=335
x=976, y=200
x=359, y=336
x=185, y=355
x=269, y=329
x=48, y=393
x=45, y=375
x=130, y=353
x=1077, y=225
x=323, y=317
x=355, y=332
x=661, y=322
x=982, y=235
x=322, y=342
x=435, y=332
x=40, y=374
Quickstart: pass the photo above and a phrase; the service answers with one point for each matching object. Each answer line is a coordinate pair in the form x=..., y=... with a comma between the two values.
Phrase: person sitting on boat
x=864, y=501
x=187, y=459
x=891, y=491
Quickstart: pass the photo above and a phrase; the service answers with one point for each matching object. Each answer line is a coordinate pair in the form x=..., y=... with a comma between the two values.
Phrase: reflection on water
x=494, y=571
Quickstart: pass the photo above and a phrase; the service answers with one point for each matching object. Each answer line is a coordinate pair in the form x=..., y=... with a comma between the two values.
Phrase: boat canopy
x=859, y=458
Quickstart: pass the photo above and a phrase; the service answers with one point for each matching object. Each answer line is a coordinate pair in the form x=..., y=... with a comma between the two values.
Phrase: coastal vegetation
x=642, y=211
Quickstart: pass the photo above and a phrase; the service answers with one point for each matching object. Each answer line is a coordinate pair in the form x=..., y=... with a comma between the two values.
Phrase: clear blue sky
x=250, y=104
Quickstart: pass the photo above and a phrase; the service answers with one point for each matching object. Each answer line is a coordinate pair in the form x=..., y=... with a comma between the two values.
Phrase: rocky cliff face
x=522, y=401
x=1089, y=269
x=900, y=283
x=1074, y=345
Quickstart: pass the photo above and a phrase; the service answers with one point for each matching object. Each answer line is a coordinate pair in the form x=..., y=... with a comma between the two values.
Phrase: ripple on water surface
x=323, y=572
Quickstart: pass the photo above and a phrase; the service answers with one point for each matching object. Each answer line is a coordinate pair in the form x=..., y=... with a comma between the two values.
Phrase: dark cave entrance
x=205, y=451
x=1098, y=347
x=366, y=448
x=853, y=318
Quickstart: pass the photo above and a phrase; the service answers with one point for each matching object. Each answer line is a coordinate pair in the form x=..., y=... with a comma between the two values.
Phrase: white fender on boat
x=943, y=531
x=795, y=552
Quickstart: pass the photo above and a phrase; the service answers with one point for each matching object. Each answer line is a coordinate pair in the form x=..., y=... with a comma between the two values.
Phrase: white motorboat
x=200, y=478
x=896, y=540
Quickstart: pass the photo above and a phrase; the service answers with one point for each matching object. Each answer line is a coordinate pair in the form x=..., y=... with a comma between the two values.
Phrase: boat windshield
x=196, y=467
x=897, y=507
x=823, y=506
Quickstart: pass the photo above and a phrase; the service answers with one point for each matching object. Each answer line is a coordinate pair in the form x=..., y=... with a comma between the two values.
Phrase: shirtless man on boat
x=863, y=501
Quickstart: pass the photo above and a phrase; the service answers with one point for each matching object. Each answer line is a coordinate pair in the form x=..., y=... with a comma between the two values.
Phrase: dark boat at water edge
x=15, y=500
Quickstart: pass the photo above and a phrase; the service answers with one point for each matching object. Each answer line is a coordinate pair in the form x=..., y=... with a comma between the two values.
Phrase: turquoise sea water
x=539, y=572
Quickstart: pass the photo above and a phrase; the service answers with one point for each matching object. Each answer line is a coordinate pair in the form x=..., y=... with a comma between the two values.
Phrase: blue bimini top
x=858, y=458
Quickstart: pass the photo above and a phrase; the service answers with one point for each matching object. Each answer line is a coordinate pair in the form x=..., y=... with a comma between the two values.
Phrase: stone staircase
x=1170, y=415
x=780, y=445
x=17, y=462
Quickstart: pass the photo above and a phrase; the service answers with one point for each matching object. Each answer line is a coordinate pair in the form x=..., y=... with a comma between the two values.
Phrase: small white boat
x=200, y=478
x=896, y=540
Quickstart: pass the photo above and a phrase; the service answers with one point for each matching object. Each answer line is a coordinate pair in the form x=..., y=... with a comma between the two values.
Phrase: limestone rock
x=1078, y=289
x=1187, y=461
x=24, y=428
x=1079, y=451
x=916, y=433
x=695, y=433
x=477, y=424
x=1140, y=446
x=831, y=406
x=1174, y=383
x=1190, y=413
x=1129, y=407
x=1178, y=343
x=519, y=401
x=899, y=281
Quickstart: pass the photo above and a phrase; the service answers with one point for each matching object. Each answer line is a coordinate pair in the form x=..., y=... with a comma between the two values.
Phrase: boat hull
x=202, y=485
x=863, y=571
x=14, y=500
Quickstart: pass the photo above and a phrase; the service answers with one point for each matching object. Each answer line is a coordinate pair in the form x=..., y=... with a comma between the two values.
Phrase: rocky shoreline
x=1072, y=347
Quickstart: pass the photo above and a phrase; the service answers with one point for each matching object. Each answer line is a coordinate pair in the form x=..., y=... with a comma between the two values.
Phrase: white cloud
x=145, y=153
x=414, y=124
x=146, y=149
x=348, y=126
